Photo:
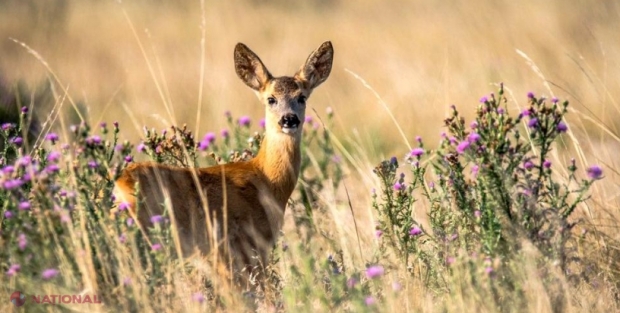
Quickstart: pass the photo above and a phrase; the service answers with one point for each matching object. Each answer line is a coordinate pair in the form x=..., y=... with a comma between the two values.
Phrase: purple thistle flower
x=378, y=233
x=129, y=221
x=351, y=282
x=51, y=137
x=115, y=125
x=398, y=186
x=8, y=214
x=103, y=124
x=52, y=168
x=126, y=281
x=530, y=95
x=244, y=121
x=474, y=170
x=7, y=126
x=93, y=140
x=93, y=164
x=124, y=206
x=374, y=271
x=224, y=133
x=473, y=125
x=415, y=231
x=12, y=184
x=500, y=111
x=396, y=286
x=22, y=241
x=561, y=128
x=547, y=164
x=227, y=114
x=477, y=213
x=209, y=137
x=54, y=156
x=198, y=297
x=156, y=219
x=308, y=119
x=416, y=152
x=156, y=247
x=370, y=301
x=418, y=139
x=526, y=112
x=484, y=99
x=7, y=170
x=141, y=147
x=159, y=149
x=122, y=238
x=473, y=137
x=533, y=123
x=13, y=269
x=18, y=141
x=528, y=165
x=203, y=145
x=554, y=100
x=462, y=147
x=128, y=158
x=24, y=109
x=24, y=205
x=488, y=270
x=595, y=172
x=49, y=273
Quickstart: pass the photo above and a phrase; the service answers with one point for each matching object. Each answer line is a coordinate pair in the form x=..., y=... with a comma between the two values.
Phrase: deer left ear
x=317, y=67
x=250, y=68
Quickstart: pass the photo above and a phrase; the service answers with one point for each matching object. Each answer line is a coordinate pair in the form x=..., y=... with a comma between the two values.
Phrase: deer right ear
x=250, y=68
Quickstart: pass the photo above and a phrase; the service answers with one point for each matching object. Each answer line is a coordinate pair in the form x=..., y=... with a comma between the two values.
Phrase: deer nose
x=289, y=121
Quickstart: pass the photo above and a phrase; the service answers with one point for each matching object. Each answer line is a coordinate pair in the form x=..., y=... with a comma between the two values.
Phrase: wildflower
x=24, y=161
x=141, y=147
x=336, y=159
x=473, y=137
x=8, y=214
x=115, y=126
x=547, y=164
x=488, y=270
x=12, y=184
x=126, y=281
x=103, y=124
x=554, y=100
x=530, y=95
x=528, y=165
x=477, y=213
x=450, y=260
x=22, y=241
x=561, y=128
x=595, y=172
x=156, y=247
x=52, y=168
x=416, y=152
x=374, y=271
x=128, y=158
x=224, y=133
x=7, y=126
x=129, y=222
x=93, y=164
x=156, y=219
x=122, y=238
x=198, y=297
x=49, y=273
x=329, y=111
x=51, y=137
x=533, y=123
x=24, y=110
x=93, y=140
x=244, y=121
x=500, y=111
x=53, y=156
x=474, y=170
x=473, y=125
x=415, y=231
x=124, y=206
x=484, y=99
x=398, y=186
x=418, y=139
x=24, y=205
x=203, y=145
x=308, y=119
x=227, y=114
x=18, y=141
x=370, y=301
x=378, y=233
x=394, y=161
x=396, y=286
x=462, y=147
x=209, y=137
x=7, y=170
x=351, y=282
x=13, y=269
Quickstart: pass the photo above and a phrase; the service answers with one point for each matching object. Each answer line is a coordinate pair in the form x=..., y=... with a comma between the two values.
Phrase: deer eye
x=272, y=101
x=302, y=100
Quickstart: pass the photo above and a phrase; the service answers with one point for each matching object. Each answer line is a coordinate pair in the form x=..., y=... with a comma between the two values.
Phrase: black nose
x=289, y=121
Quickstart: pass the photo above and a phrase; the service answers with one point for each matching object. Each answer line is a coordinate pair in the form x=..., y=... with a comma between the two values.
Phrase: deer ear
x=250, y=68
x=317, y=66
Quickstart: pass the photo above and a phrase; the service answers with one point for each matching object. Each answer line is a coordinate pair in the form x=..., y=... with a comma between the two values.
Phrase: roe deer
x=245, y=201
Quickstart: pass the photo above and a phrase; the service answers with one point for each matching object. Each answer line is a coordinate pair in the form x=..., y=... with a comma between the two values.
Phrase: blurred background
x=124, y=59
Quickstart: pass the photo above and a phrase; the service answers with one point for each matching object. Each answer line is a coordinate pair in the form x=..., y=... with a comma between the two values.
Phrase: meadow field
x=461, y=157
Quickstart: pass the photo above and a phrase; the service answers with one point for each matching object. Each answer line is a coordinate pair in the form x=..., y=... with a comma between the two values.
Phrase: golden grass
x=141, y=63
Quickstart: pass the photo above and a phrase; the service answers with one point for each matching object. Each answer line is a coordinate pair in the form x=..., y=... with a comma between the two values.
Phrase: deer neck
x=279, y=159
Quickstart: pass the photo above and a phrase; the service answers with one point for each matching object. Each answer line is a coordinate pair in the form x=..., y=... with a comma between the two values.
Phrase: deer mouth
x=289, y=123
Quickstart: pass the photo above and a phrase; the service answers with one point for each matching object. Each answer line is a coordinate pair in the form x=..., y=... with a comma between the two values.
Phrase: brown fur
x=245, y=201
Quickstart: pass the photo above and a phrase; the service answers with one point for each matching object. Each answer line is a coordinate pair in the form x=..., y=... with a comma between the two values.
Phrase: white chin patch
x=289, y=130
